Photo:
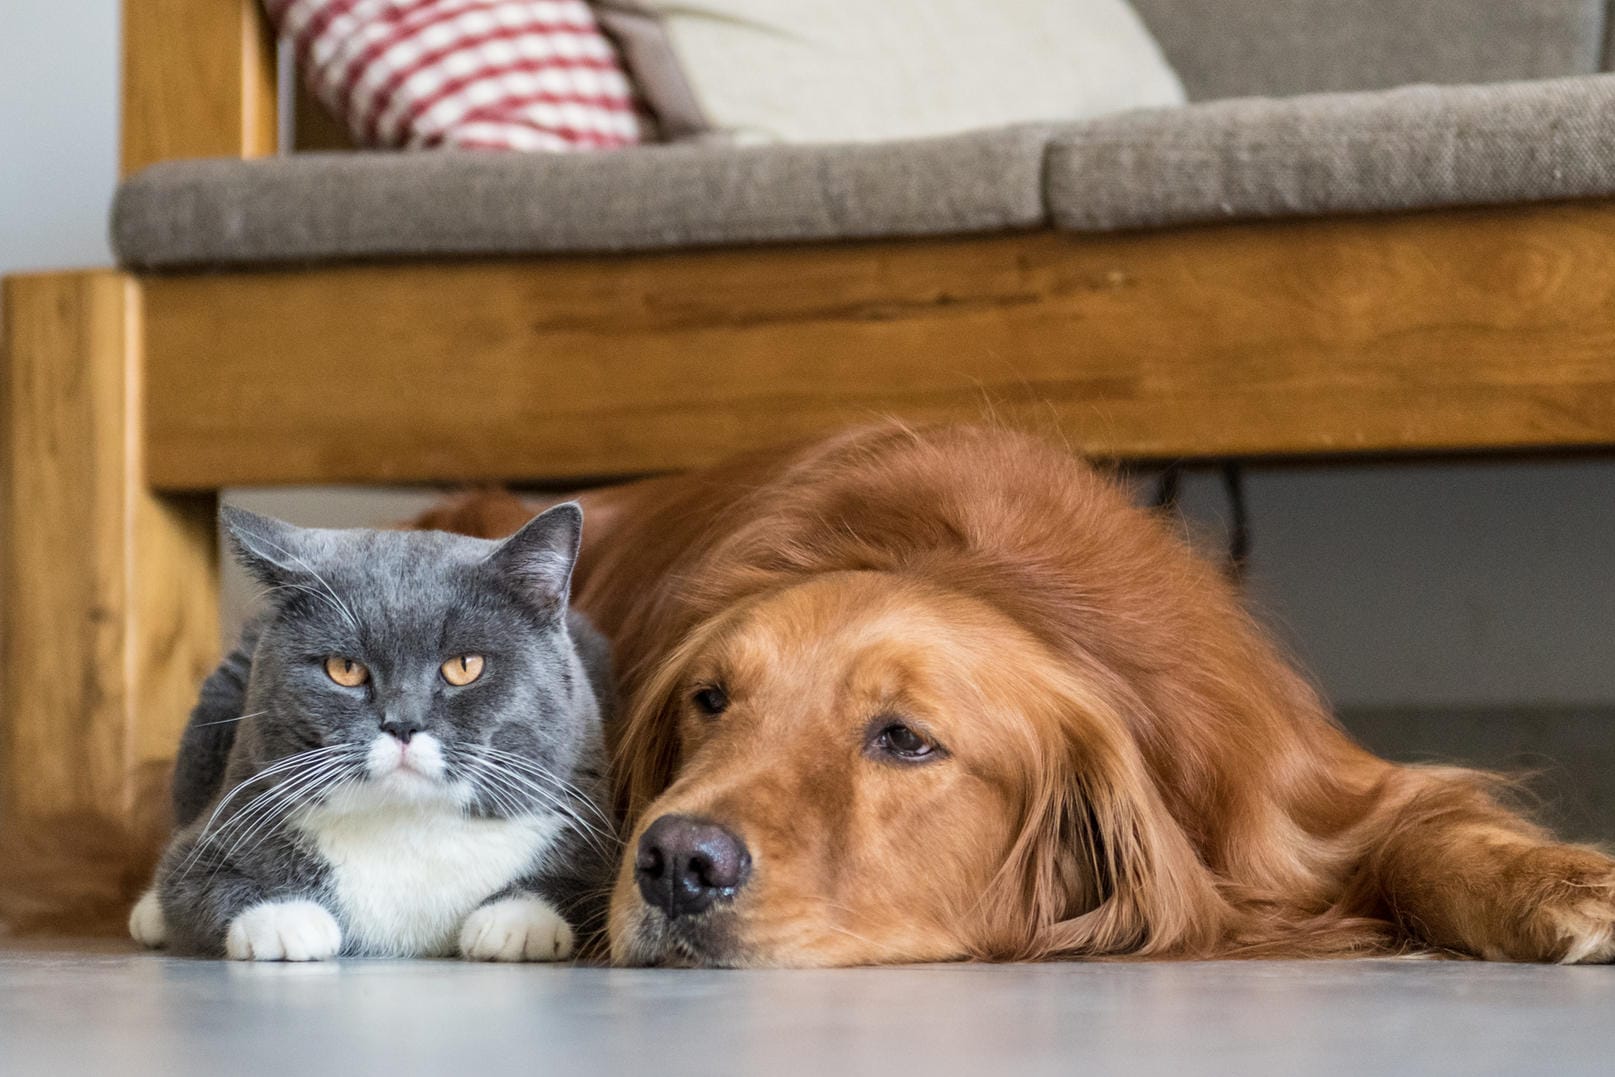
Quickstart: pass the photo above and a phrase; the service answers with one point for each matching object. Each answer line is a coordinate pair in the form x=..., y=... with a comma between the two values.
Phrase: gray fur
x=401, y=603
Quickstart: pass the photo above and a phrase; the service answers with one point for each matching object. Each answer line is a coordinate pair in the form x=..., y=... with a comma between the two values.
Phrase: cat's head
x=417, y=666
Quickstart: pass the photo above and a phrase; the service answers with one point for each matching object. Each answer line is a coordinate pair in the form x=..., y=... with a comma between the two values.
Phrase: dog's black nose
x=684, y=864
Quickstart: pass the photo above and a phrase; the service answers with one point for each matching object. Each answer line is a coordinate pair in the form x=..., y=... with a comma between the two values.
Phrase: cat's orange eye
x=345, y=671
x=462, y=669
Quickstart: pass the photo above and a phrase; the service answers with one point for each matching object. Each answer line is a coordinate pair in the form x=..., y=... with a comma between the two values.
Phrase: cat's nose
x=402, y=728
x=684, y=864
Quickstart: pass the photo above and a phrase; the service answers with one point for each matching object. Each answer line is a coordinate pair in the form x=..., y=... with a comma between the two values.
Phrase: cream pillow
x=874, y=70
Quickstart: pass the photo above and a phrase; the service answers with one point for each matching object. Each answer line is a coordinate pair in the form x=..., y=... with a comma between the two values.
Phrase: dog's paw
x=523, y=928
x=283, y=931
x=146, y=923
x=1563, y=897
x=1588, y=930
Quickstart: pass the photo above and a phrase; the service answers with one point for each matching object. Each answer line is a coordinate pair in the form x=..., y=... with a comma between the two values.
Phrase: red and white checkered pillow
x=487, y=74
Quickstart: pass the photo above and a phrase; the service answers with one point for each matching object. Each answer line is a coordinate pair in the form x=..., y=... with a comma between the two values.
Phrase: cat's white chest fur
x=403, y=877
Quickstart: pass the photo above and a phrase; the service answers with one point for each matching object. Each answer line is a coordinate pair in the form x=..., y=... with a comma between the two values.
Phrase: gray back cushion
x=1233, y=48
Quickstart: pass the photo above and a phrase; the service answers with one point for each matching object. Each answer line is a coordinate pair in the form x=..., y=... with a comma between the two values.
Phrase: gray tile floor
x=106, y=1010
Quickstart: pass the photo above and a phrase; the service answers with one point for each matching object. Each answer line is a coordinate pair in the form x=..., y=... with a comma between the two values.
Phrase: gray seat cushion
x=316, y=207
x=1238, y=48
x=1412, y=148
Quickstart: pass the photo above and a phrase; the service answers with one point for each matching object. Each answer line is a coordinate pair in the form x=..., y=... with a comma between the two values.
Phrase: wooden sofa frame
x=130, y=400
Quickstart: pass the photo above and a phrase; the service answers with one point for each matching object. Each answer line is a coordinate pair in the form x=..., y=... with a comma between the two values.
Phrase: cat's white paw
x=283, y=931
x=523, y=928
x=146, y=923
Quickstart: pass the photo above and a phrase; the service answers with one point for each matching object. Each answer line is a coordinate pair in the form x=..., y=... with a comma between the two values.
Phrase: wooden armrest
x=198, y=81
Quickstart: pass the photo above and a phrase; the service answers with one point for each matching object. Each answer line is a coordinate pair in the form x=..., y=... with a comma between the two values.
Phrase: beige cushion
x=880, y=70
x=1239, y=48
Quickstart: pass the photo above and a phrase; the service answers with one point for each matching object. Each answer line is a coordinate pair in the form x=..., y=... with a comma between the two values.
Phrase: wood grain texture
x=108, y=595
x=198, y=81
x=1444, y=332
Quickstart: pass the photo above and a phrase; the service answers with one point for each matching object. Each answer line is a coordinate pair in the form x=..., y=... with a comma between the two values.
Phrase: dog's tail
x=77, y=874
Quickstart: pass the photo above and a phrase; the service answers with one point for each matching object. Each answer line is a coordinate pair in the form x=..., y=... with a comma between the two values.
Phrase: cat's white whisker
x=509, y=796
x=353, y=622
x=290, y=766
x=493, y=767
x=532, y=766
x=242, y=823
x=551, y=798
x=280, y=765
x=301, y=766
x=304, y=589
x=543, y=774
x=293, y=794
x=512, y=797
x=502, y=799
x=228, y=721
x=551, y=785
x=268, y=821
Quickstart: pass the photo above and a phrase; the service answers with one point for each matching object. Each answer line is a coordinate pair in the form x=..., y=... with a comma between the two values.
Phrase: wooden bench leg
x=108, y=607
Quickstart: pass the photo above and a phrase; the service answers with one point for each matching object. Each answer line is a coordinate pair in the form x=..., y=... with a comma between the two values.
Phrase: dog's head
x=903, y=697
x=862, y=768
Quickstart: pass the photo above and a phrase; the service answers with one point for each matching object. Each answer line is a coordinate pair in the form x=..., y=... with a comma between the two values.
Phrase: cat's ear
x=538, y=559
x=266, y=547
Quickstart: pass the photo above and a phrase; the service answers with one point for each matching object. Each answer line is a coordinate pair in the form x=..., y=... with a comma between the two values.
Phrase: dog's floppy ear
x=1107, y=869
x=646, y=749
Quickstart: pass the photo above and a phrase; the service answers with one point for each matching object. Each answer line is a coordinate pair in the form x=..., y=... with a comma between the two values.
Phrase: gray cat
x=403, y=756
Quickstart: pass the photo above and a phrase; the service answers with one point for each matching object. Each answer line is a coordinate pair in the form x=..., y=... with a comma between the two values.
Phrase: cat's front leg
x=147, y=924
x=517, y=925
x=285, y=929
x=263, y=910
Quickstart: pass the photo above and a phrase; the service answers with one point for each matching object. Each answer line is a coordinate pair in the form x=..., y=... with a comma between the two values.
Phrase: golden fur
x=1131, y=768
x=77, y=874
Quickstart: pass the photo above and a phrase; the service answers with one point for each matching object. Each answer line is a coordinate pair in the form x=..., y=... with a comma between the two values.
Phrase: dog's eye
x=710, y=700
x=897, y=739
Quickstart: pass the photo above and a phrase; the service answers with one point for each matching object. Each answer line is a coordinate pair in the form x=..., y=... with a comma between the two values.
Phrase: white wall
x=58, y=132
x=1424, y=585
x=1472, y=585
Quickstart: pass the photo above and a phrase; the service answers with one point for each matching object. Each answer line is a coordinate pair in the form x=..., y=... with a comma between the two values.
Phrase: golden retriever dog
x=914, y=696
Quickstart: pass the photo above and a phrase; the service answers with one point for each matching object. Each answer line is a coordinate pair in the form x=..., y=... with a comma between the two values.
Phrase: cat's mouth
x=416, y=760
x=409, y=771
